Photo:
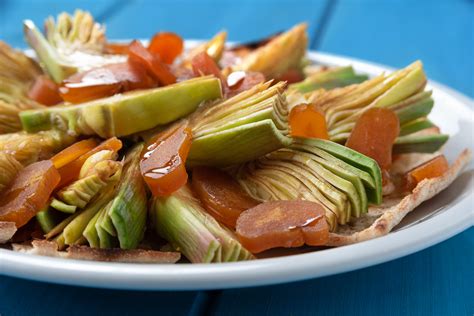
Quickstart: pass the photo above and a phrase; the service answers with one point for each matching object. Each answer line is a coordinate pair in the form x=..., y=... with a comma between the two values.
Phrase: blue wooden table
x=436, y=281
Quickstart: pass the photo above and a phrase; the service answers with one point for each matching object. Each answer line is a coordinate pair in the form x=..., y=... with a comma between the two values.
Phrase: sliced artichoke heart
x=97, y=172
x=284, y=52
x=9, y=168
x=242, y=128
x=127, y=113
x=342, y=180
x=327, y=79
x=28, y=148
x=73, y=43
x=182, y=221
x=401, y=91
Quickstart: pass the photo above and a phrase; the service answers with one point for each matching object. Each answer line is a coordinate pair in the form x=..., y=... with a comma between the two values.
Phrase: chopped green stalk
x=90, y=233
x=98, y=171
x=182, y=221
x=419, y=109
x=105, y=239
x=48, y=219
x=414, y=143
x=329, y=79
x=60, y=241
x=107, y=224
x=242, y=128
x=415, y=126
x=58, y=229
x=118, y=115
x=73, y=231
x=63, y=207
x=128, y=211
x=122, y=221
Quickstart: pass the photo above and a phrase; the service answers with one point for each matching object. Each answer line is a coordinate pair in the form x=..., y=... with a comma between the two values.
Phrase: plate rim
x=263, y=271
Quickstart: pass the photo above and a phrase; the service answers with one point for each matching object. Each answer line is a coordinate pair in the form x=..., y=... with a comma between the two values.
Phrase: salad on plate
x=153, y=152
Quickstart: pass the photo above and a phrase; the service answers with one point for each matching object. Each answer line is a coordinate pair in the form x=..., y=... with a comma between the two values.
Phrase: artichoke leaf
x=182, y=221
x=97, y=172
x=73, y=43
x=9, y=168
x=282, y=53
x=242, y=128
x=127, y=113
x=28, y=148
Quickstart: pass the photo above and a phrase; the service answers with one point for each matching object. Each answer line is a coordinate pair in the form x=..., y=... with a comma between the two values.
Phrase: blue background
x=436, y=281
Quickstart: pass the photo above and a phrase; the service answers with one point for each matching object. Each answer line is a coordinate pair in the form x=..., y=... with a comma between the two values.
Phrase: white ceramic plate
x=447, y=214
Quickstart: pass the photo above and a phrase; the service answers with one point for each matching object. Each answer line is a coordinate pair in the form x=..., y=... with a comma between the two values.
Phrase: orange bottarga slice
x=73, y=152
x=138, y=54
x=70, y=171
x=167, y=45
x=221, y=195
x=374, y=134
x=105, y=81
x=291, y=76
x=29, y=192
x=163, y=160
x=307, y=120
x=433, y=168
x=204, y=65
x=45, y=91
x=117, y=48
x=282, y=224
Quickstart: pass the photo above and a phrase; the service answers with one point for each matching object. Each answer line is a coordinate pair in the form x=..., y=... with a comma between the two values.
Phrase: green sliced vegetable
x=414, y=143
x=98, y=171
x=119, y=115
x=241, y=128
x=182, y=221
x=357, y=160
x=48, y=219
x=73, y=43
x=63, y=207
x=329, y=79
x=128, y=211
x=415, y=126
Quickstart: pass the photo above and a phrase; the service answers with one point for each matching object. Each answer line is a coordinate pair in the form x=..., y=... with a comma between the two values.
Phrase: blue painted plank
x=436, y=281
x=440, y=33
x=21, y=297
x=244, y=20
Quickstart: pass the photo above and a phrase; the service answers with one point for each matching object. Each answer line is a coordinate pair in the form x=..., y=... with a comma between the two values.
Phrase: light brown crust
x=50, y=249
x=7, y=230
x=380, y=220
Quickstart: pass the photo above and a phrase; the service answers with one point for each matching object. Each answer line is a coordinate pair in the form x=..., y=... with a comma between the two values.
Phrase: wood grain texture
x=436, y=281
x=244, y=20
x=21, y=297
x=395, y=33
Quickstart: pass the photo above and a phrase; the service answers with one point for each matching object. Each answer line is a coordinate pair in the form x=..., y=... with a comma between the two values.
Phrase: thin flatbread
x=7, y=230
x=381, y=219
x=50, y=249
